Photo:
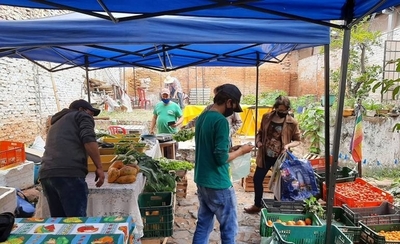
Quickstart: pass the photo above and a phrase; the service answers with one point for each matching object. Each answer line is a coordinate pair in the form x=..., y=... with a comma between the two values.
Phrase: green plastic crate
x=284, y=234
x=156, y=209
x=369, y=234
x=266, y=230
x=292, y=207
x=340, y=219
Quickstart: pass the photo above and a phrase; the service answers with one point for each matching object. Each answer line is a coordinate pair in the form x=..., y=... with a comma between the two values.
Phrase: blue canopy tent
x=161, y=43
x=308, y=10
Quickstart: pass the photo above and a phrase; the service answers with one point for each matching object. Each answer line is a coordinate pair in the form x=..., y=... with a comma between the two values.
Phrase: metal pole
x=257, y=79
x=327, y=113
x=338, y=129
x=87, y=76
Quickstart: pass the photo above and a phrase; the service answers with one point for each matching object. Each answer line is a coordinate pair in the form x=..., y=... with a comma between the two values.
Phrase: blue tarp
x=258, y=9
x=166, y=42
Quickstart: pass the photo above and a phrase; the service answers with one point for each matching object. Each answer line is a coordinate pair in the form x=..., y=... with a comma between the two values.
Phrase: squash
x=126, y=179
x=117, y=164
x=113, y=174
x=128, y=170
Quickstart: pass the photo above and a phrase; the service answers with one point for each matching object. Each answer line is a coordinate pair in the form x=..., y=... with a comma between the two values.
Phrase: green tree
x=360, y=76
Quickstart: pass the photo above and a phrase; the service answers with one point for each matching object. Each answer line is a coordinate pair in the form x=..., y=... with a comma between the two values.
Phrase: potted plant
x=349, y=106
x=370, y=107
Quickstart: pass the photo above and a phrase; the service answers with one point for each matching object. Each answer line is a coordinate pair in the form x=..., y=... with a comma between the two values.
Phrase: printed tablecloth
x=73, y=230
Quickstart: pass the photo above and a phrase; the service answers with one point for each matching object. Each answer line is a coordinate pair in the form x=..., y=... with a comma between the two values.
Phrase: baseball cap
x=165, y=91
x=84, y=104
x=234, y=93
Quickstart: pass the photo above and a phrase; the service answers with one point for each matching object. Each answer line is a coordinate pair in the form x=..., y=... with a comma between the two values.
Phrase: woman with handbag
x=278, y=132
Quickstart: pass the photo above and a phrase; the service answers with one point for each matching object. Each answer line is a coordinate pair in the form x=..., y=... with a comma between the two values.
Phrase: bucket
x=36, y=169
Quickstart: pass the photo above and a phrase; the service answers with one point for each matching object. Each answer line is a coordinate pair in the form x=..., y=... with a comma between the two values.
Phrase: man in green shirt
x=166, y=114
x=211, y=173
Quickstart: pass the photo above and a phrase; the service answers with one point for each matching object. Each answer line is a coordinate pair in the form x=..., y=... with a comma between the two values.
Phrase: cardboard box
x=8, y=199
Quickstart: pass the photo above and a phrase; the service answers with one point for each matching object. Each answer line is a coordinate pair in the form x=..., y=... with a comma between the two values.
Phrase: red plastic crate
x=319, y=163
x=11, y=153
x=364, y=188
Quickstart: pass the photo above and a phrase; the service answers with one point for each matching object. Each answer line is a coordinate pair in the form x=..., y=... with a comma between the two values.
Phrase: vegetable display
x=171, y=164
x=184, y=135
x=124, y=170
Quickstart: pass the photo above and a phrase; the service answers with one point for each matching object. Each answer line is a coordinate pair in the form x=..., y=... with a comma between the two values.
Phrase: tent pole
x=327, y=113
x=337, y=132
x=87, y=76
x=257, y=79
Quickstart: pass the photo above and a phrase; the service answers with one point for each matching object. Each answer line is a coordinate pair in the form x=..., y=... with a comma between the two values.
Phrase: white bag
x=240, y=167
x=275, y=181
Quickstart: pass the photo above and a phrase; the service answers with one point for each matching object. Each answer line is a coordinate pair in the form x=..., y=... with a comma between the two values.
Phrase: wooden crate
x=181, y=187
x=248, y=185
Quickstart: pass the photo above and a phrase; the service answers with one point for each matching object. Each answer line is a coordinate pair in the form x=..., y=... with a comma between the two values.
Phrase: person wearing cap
x=175, y=89
x=211, y=173
x=70, y=139
x=167, y=115
x=278, y=132
x=235, y=121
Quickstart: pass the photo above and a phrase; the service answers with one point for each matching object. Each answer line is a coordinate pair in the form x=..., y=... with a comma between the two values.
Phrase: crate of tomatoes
x=359, y=194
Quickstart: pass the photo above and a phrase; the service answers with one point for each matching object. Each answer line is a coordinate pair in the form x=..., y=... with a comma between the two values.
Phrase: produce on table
x=390, y=235
x=173, y=164
x=123, y=170
x=183, y=135
x=299, y=222
x=312, y=205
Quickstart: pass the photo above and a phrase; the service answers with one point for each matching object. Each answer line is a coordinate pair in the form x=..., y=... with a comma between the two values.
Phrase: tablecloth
x=248, y=116
x=109, y=200
x=73, y=230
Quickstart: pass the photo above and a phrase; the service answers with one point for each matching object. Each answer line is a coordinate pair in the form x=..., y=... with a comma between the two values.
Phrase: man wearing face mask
x=211, y=173
x=164, y=114
x=278, y=132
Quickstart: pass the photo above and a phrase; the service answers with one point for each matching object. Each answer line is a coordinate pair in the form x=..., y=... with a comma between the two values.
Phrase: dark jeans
x=66, y=196
x=258, y=180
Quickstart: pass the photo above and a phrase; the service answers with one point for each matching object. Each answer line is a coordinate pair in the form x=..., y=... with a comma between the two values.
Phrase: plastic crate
x=344, y=174
x=11, y=153
x=106, y=161
x=284, y=234
x=383, y=214
x=369, y=234
x=266, y=230
x=156, y=210
x=274, y=206
x=317, y=162
x=364, y=188
x=340, y=219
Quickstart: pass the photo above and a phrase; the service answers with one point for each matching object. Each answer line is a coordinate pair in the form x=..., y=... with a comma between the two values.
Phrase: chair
x=115, y=129
x=142, y=103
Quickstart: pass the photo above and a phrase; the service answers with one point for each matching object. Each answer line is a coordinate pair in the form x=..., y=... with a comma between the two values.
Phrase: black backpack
x=6, y=225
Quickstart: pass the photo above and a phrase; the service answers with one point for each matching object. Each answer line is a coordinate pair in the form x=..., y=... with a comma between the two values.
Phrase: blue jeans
x=66, y=196
x=222, y=204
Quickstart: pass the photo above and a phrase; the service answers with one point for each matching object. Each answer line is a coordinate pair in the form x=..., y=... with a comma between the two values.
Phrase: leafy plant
x=311, y=123
x=249, y=99
x=312, y=205
x=268, y=98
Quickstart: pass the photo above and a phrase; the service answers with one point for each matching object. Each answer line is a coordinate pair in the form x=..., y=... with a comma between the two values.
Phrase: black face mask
x=228, y=111
x=281, y=114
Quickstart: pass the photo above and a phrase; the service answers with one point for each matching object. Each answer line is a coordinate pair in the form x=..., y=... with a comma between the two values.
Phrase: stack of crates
x=157, y=213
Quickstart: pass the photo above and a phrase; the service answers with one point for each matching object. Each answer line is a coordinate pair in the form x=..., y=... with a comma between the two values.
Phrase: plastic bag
x=240, y=167
x=25, y=209
x=298, y=179
x=6, y=225
x=275, y=181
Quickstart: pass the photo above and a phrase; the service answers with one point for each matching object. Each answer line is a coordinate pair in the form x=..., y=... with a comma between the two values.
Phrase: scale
x=164, y=137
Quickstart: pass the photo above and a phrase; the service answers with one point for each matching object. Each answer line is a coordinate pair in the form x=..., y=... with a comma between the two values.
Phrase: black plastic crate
x=274, y=206
x=157, y=214
x=343, y=174
x=370, y=234
x=340, y=219
x=383, y=214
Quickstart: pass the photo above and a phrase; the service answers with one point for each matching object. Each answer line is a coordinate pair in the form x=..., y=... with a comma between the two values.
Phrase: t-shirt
x=166, y=113
x=212, y=147
x=274, y=142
